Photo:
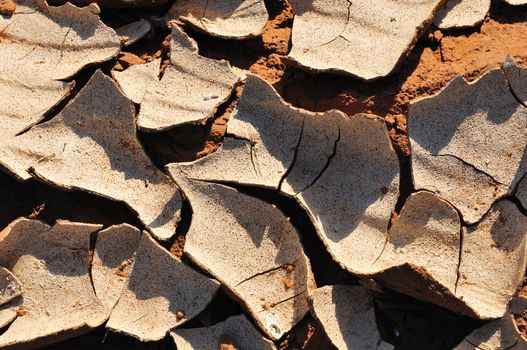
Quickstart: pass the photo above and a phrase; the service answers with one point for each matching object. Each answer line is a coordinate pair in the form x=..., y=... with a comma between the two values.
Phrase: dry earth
x=437, y=57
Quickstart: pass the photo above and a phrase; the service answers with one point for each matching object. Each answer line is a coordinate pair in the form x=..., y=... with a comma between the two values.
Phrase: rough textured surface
x=40, y=45
x=152, y=303
x=348, y=208
x=374, y=35
x=495, y=335
x=112, y=3
x=468, y=143
x=461, y=13
x=135, y=80
x=10, y=287
x=235, y=333
x=58, y=299
x=229, y=19
x=348, y=318
x=517, y=78
x=135, y=31
x=487, y=284
x=92, y=145
x=266, y=269
x=521, y=192
x=190, y=90
x=112, y=262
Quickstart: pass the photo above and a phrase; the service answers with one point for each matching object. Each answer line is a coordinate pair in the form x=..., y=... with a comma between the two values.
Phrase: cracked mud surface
x=243, y=158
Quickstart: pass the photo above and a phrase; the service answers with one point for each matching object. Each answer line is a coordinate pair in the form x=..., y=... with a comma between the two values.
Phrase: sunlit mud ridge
x=226, y=251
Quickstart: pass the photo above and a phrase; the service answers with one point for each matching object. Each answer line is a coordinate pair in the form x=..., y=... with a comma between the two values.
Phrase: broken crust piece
x=348, y=204
x=39, y=46
x=516, y=2
x=58, y=300
x=112, y=261
x=265, y=269
x=135, y=80
x=10, y=287
x=235, y=333
x=468, y=143
x=162, y=293
x=135, y=31
x=501, y=238
x=191, y=89
x=227, y=19
x=498, y=334
x=347, y=315
x=375, y=36
x=461, y=13
x=92, y=146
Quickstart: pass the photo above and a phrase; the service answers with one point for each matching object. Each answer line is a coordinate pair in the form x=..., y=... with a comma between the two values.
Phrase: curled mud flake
x=43, y=46
x=495, y=335
x=112, y=261
x=10, y=287
x=92, y=146
x=135, y=31
x=461, y=13
x=159, y=286
x=468, y=143
x=374, y=35
x=229, y=19
x=351, y=205
x=348, y=317
x=254, y=268
x=500, y=237
x=263, y=135
x=58, y=301
x=424, y=237
x=191, y=89
x=234, y=333
x=135, y=80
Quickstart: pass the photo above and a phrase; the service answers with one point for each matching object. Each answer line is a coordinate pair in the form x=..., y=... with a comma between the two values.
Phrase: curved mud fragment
x=374, y=36
x=39, y=47
x=135, y=31
x=461, y=13
x=92, y=146
x=264, y=266
x=351, y=202
x=234, y=333
x=516, y=2
x=493, y=260
x=58, y=301
x=191, y=89
x=496, y=335
x=10, y=287
x=228, y=19
x=347, y=316
x=112, y=261
x=262, y=136
x=135, y=80
x=517, y=78
x=425, y=236
x=162, y=293
x=469, y=142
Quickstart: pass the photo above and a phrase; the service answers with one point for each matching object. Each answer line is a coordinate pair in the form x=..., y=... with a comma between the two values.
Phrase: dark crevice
x=285, y=300
x=460, y=256
x=295, y=155
x=37, y=200
x=326, y=165
x=266, y=272
x=469, y=165
x=406, y=185
x=511, y=89
x=91, y=253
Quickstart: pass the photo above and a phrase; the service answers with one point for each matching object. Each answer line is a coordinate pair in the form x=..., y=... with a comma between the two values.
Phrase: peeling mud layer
x=267, y=174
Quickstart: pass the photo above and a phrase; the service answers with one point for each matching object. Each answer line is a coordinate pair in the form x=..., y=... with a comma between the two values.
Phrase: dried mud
x=435, y=60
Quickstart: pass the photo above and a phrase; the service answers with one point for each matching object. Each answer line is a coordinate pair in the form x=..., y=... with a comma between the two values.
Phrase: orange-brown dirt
x=7, y=7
